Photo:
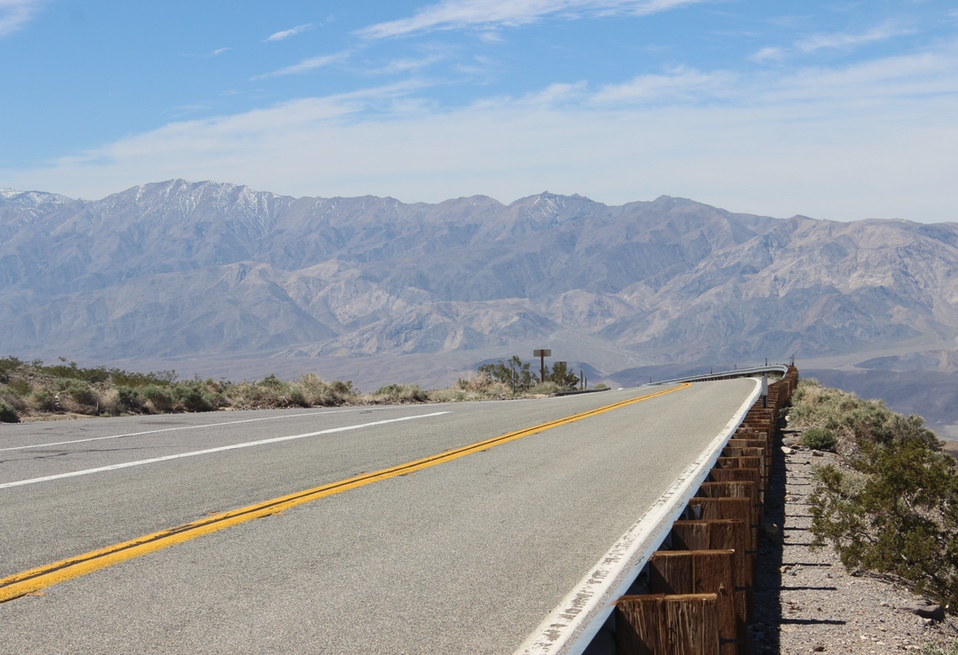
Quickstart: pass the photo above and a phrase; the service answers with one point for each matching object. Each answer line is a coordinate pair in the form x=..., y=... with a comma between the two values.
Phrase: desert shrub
x=819, y=439
x=601, y=385
x=156, y=398
x=895, y=512
x=21, y=388
x=128, y=399
x=273, y=382
x=475, y=387
x=196, y=396
x=44, y=400
x=76, y=394
x=484, y=386
x=271, y=392
x=854, y=422
x=892, y=506
x=458, y=395
x=452, y=395
x=313, y=391
x=400, y=393
x=10, y=397
x=73, y=372
x=514, y=372
x=900, y=429
x=248, y=395
x=546, y=388
x=316, y=393
x=8, y=365
x=137, y=380
x=8, y=414
x=297, y=397
x=562, y=376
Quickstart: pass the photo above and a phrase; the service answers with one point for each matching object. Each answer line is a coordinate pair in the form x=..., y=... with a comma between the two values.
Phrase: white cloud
x=875, y=140
x=305, y=66
x=219, y=51
x=556, y=94
x=847, y=41
x=457, y=14
x=768, y=54
x=14, y=14
x=491, y=36
x=907, y=77
x=285, y=34
x=833, y=41
x=677, y=84
x=409, y=64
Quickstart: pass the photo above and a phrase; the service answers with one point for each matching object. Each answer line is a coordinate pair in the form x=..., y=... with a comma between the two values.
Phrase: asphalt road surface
x=461, y=555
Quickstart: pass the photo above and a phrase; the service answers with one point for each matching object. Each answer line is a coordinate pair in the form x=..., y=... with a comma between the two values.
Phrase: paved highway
x=465, y=554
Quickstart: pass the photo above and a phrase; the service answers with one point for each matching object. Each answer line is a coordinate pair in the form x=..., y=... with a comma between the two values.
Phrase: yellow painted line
x=42, y=577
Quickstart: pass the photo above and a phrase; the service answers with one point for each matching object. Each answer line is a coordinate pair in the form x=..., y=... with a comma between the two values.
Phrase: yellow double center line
x=42, y=577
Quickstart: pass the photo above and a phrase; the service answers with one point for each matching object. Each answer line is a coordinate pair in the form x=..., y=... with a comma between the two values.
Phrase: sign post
x=542, y=354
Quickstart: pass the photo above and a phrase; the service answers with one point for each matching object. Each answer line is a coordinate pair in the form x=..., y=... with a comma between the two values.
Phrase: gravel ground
x=805, y=600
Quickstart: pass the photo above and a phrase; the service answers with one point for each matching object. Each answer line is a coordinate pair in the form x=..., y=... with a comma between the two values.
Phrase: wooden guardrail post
x=723, y=534
x=660, y=624
x=745, y=463
x=727, y=508
x=699, y=572
x=700, y=596
x=734, y=490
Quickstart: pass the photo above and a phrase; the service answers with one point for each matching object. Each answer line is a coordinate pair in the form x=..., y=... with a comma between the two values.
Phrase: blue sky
x=833, y=109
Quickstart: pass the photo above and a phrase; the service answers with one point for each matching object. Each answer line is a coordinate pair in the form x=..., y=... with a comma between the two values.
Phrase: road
x=464, y=556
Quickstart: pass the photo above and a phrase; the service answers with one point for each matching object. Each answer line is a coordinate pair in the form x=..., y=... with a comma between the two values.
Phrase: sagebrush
x=891, y=503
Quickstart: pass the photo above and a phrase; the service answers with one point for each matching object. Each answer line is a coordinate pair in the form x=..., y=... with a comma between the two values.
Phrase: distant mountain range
x=219, y=279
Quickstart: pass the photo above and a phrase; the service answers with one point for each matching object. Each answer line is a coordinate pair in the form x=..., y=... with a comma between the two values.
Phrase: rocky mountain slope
x=246, y=282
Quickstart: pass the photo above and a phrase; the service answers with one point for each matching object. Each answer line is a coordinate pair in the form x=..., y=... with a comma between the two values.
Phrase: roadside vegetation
x=890, y=503
x=519, y=376
x=34, y=389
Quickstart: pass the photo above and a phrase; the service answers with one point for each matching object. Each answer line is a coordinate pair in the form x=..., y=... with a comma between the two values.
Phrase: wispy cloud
x=768, y=54
x=305, y=66
x=186, y=110
x=557, y=94
x=458, y=14
x=849, y=41
x=491, y=36
x=676, y=84
x=843, y=41
x=219, y=51
x=409, y=64
x=886, y=80
x=285, y=34
x=14, y=14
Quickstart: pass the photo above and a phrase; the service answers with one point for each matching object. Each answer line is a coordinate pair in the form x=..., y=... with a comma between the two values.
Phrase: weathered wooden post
x=701, y=572
x=542, y=354
x=659, y=624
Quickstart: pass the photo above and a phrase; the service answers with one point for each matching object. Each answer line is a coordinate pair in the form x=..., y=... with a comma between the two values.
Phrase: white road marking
x=179, y=427
x=195, y=453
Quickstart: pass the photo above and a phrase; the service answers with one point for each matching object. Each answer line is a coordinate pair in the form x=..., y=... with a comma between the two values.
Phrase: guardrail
x=680, y=582
x=775, y=369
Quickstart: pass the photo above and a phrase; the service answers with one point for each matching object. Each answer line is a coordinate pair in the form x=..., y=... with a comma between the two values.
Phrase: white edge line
x=572, y=625
x=174, y=429
x=247, y=444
